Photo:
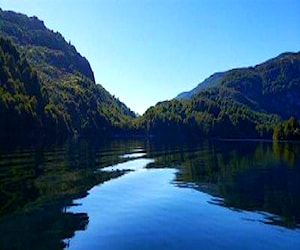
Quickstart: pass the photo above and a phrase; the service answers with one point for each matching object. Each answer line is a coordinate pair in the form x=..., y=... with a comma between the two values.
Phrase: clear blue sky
x=145, y=51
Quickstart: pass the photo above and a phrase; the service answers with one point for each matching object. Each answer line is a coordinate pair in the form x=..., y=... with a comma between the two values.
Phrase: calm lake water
x=135, y=194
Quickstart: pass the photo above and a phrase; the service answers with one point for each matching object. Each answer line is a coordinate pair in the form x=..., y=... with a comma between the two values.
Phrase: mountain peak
x=31, y=33
x=49, y=86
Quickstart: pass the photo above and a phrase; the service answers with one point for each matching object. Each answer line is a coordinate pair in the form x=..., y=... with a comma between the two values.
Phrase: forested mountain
x=246, y=102
x=47, y=87
x=21, y=98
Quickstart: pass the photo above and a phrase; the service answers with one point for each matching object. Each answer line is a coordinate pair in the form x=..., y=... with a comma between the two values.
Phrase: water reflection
x=39, y=181
x=210, y=195
x=255, y=176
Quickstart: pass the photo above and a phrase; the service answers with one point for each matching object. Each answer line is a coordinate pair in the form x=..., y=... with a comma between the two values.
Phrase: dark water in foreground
x=131, y=194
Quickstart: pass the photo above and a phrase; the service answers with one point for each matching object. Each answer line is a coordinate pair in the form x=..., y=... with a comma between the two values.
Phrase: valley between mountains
x=47, y=88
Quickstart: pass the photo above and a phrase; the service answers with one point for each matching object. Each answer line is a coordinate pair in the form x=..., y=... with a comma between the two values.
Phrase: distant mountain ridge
x=245, y=102
x=48, y=88
x=70, y=102
x=272, y=86
x=254, y=85
x=209, y=82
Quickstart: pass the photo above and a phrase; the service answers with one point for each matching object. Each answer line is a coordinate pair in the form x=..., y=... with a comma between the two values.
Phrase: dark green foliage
x=287, y=130
x=44, y=44
x=21, y=100
x=273, y=87
x=47, y=84
x=206, y=116
x=241, y=103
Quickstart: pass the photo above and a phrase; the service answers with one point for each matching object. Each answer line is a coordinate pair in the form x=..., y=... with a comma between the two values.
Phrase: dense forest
x=48, y=88
x=21, y=98
x=240, y=103
x=287, y=130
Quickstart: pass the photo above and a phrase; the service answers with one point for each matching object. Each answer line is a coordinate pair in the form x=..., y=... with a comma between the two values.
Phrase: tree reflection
x=37, y=182
x=256, y=176
x=42, y=228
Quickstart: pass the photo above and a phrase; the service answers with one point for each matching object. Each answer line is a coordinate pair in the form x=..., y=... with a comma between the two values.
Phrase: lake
x=144, y=194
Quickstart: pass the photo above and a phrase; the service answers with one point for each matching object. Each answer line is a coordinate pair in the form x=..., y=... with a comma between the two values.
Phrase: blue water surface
x=146, y=209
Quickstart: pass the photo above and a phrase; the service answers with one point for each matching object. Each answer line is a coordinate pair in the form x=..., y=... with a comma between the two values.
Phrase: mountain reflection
x=254, y=176
x=39, y=181
x=42, y=228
